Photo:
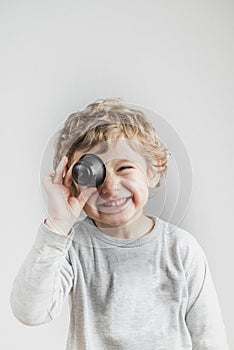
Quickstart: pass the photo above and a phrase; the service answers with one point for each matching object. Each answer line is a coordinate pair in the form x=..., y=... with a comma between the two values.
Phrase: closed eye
x=125, y=167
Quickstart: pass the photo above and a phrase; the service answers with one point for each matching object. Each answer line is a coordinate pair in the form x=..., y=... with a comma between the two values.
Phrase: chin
x=117, y=220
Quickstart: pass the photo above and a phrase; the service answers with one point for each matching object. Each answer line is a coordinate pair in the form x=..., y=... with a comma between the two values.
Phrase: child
x=134, y=281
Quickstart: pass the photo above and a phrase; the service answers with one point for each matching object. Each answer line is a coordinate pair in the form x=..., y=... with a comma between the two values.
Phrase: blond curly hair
x=106, y=119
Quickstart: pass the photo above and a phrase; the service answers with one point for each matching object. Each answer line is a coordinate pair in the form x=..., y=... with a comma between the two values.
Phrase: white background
x=175, y=57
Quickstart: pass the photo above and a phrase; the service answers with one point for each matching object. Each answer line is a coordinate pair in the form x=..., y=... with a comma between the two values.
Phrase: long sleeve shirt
x=154, y=292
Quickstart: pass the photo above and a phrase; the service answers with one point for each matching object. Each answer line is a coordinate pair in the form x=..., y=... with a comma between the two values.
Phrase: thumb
x=85, y=195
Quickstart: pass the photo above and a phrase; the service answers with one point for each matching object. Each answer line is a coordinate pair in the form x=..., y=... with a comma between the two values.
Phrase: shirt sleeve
x=203, y=315
x=44, y=280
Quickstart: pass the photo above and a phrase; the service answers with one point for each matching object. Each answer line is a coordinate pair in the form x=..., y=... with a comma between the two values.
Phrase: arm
x=203, y=316
x=44, y=280
x=46, y=277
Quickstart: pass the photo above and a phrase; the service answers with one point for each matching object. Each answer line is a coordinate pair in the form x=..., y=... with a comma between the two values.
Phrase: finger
x=68, y=176
x=85, y=195
x=47, y=179
x=64, y=167
x=58, y=177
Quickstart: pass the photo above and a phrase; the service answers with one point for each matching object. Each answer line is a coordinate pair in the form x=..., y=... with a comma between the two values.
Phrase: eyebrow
x=122, y=160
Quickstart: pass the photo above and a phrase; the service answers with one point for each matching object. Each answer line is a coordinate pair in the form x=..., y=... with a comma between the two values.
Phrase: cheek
x=139, y=188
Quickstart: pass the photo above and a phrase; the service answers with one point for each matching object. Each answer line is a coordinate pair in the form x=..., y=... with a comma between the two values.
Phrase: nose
x=110, y=186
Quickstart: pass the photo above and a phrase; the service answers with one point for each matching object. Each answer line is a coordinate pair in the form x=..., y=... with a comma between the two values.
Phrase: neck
x=141, y=226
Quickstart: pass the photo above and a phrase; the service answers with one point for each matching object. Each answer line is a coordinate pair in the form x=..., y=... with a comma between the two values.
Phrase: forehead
x=116, y=150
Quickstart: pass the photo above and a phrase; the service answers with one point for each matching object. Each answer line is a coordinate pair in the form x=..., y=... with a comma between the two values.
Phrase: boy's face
x=121, y=198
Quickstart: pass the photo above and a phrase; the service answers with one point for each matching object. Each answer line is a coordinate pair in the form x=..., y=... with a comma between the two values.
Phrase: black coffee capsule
x=89, y=171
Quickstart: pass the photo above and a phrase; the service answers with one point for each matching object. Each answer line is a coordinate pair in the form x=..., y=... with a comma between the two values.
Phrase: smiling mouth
x=113, y=205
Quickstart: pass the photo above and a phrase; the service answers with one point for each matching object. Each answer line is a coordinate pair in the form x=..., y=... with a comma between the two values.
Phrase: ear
x=153, y=178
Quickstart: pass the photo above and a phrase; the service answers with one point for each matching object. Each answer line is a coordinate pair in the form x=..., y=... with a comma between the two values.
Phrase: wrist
x=58, y=227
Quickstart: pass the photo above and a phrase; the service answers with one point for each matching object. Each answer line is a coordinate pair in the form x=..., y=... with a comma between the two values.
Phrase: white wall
x=175, y=57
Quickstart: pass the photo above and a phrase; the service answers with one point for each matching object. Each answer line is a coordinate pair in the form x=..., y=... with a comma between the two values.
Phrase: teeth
x=114, y=204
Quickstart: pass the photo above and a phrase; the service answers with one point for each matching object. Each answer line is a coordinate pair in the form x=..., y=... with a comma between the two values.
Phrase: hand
x=63, y=208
